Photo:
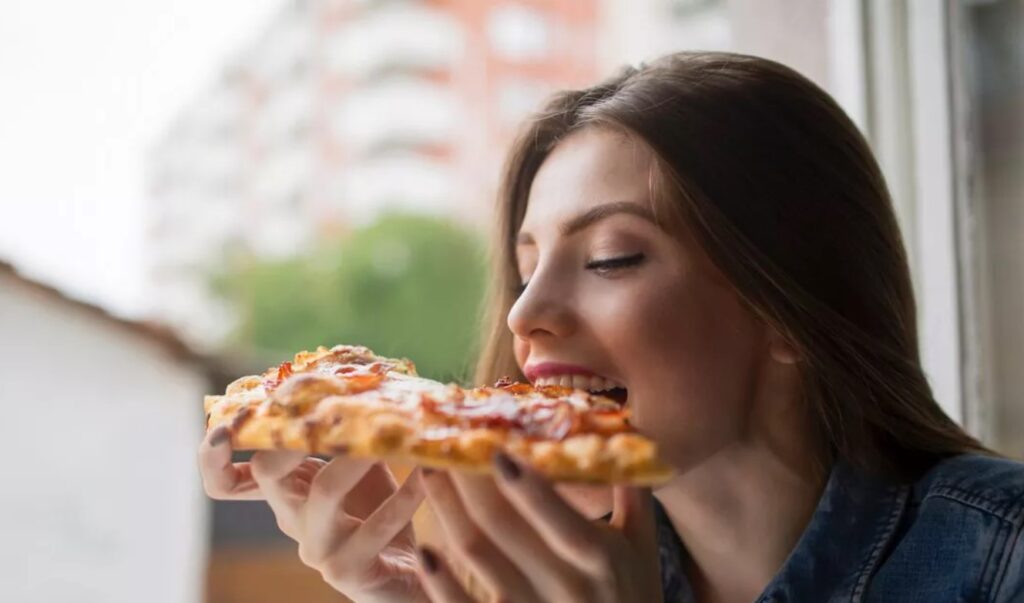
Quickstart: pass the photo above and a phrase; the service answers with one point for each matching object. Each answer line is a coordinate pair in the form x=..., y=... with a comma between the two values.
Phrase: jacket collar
x=842, y=546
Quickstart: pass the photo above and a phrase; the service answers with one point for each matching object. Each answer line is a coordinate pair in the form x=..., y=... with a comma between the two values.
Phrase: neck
x=741, y=511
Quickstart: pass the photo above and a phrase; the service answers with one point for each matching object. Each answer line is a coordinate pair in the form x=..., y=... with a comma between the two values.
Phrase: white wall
x=101, y=500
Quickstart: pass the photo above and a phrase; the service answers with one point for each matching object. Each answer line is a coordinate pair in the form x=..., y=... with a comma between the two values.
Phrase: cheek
x=690, y=355
x=701, y=339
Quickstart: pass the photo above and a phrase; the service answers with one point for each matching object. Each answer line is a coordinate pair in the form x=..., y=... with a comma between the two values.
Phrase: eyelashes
x=603, y=267
x=611, y=264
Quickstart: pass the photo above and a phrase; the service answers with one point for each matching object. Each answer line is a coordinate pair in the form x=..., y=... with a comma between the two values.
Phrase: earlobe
x=782, y=351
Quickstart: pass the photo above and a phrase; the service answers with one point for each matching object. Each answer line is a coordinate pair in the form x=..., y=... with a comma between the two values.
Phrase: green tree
x=407, y=286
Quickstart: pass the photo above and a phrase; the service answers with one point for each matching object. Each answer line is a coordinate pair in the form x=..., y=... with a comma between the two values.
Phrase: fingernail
x=506, y=466
x=427, y=471
x=220, y=435
x=428, y=559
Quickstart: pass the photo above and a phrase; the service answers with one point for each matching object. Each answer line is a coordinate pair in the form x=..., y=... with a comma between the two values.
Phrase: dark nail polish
x=506, y=466
x=427, y=471
x=428, y=559
x=220, y=435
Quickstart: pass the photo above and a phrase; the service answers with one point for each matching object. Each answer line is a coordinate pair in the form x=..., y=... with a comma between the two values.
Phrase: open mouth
x=618, y=394
x=595, y=385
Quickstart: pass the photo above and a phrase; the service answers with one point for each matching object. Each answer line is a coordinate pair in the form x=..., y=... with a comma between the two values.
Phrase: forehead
x=590, y=167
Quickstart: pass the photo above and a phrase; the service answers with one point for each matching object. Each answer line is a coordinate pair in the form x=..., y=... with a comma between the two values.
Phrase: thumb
x=633, y=515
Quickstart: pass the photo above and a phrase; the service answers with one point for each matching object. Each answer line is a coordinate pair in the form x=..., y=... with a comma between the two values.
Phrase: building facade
x=342, y=110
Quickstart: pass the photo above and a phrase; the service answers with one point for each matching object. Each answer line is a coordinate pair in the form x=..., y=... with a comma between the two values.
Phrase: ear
x=780, y=349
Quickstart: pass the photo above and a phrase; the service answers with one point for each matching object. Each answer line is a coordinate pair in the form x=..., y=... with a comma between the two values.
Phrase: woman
x=711, y=232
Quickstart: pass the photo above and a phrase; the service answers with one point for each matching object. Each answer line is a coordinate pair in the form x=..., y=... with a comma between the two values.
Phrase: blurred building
x=341, y=110
x=101, y=500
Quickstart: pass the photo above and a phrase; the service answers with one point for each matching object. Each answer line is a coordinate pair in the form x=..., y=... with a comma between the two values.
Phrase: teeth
x=591, y=384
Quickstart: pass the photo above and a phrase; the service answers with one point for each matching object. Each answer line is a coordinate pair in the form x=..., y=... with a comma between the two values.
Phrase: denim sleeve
x=1012, y=588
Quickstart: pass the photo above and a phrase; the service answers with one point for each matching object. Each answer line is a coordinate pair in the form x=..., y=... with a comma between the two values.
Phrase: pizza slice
x=348, y=400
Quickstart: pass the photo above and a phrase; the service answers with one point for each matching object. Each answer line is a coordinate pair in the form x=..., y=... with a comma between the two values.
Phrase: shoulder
x=963, y=532
x=991, y=485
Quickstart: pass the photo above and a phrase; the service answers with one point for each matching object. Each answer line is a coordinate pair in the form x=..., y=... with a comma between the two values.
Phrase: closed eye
x=604, y=266
x=609, y=265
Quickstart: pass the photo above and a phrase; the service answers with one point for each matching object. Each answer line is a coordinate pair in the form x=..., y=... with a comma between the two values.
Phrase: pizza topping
x=284, y=370
x=359, y=370
x=552, y=422
x=607, y=421
x=550, y=391
x=440, y=432
x=327, y=360
x=244, y=384
x=549, y=418
x=301, y=392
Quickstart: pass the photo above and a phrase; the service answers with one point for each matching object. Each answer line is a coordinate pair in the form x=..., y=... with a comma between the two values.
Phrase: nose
x=544, y=308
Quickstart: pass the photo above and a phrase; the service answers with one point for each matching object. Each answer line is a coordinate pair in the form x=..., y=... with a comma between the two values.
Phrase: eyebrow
x=593, y=215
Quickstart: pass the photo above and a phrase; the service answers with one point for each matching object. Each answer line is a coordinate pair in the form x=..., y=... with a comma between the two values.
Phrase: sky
x=86, y=88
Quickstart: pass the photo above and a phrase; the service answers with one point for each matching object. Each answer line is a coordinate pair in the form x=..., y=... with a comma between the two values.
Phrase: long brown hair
x=785, y=197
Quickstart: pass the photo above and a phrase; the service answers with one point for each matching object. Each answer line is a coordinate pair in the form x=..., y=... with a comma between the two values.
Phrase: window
x=989, y=76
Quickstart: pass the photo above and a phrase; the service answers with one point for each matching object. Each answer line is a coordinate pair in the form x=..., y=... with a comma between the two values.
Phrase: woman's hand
x=350, y=518
x=525, y=543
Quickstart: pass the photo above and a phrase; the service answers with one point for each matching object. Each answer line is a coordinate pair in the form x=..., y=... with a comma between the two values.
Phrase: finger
x=222, y=479
x=312, y=464
x=388, y=520
x=308, y=469
x=486, y=560
x=438, y=579
x=502, y=523
x=305, y=472
x=593, y=501
x=633, y=514
x=567, y=532
x=322, y=529
x=270, y=470
x=373, y=489
x=275, y=465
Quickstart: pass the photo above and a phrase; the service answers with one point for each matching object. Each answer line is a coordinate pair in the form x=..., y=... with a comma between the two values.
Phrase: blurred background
x=195, y=190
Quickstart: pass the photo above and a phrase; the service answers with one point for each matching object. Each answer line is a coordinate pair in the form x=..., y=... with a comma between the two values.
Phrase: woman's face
x=608, y=293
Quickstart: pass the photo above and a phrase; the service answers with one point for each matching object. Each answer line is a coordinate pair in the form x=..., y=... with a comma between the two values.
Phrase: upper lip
x=548, y=369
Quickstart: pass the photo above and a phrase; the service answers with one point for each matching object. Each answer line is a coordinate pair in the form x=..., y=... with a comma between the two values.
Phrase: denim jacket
x=956, y=535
